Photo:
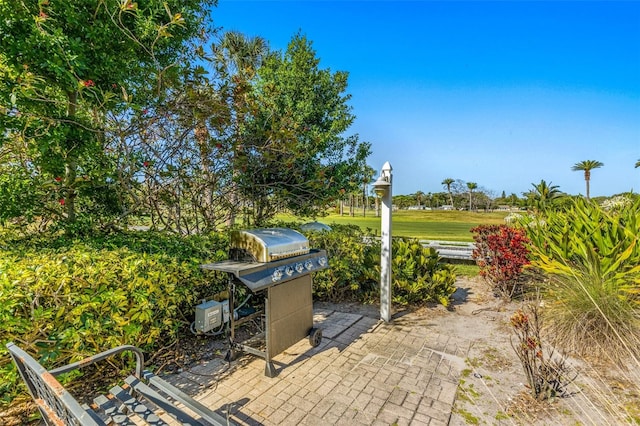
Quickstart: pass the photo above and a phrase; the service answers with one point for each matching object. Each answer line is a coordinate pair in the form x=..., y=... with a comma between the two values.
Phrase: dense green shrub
x=353, y=255
x=418, y=276
x=592, y=258
x=585, y=230
x=64, y=300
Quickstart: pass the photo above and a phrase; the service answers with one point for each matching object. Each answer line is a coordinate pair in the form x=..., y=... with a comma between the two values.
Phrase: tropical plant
x=238, y=58
x=586, y=166
x=543, y=195
x=351, y=275
x=447, y=184
x=471, y=186
x=418, y=275
x=637, y=164
x=592, y=260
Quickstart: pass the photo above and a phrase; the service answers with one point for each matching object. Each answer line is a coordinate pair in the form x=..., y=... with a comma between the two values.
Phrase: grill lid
x=267, y=244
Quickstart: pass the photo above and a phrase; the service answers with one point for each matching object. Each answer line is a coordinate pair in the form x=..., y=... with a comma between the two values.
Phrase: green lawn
x=424, y=224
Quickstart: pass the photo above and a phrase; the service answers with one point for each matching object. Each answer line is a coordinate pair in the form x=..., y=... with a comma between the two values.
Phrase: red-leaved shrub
x=501, y=253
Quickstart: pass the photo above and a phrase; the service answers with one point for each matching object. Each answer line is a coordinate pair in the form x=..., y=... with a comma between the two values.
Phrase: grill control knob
x=289, y=270
x=299, y=267
x=322, y=261
x=277, y=275
x=308, y=264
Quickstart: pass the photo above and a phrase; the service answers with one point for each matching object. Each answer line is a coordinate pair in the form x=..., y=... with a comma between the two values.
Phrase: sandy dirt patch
x=493, y=387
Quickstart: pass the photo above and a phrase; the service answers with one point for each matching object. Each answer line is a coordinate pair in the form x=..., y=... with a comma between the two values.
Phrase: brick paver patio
x=364, y=372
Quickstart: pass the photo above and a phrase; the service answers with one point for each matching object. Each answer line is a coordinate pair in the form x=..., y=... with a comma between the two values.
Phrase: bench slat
x=108, y=406
x=161, y=401
x=137, y=407
x=93, y=412
x=176, y=394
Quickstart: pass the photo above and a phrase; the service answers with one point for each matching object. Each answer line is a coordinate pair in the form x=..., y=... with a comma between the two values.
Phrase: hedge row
x=65, y=299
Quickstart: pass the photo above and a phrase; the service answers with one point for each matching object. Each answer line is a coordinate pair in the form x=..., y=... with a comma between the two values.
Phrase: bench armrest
x=101, y=356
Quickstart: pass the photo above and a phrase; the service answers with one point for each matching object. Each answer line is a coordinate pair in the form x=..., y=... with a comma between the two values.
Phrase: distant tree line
x=461, y=195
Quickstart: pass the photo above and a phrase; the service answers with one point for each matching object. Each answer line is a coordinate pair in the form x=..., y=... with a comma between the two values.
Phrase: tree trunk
x=364, y=199
x=351, y=205
x=587, y=177
x=202, y=138
x=71, y=164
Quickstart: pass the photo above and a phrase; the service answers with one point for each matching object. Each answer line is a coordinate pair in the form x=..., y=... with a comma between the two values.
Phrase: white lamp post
x=382, y=187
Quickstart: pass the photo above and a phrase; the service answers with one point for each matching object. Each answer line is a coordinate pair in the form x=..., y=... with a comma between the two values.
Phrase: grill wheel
x=315, y=337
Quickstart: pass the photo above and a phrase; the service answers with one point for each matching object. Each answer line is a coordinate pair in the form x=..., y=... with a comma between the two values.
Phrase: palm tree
x=471, y=186
x=587, y=166
x=447, y=184
x=419, y=196
x=543, y=194
x=237, y=59
x=240, y=56
x=637, y=164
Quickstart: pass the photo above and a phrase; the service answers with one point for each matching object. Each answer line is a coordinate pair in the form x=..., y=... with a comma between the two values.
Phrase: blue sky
x=499, y=93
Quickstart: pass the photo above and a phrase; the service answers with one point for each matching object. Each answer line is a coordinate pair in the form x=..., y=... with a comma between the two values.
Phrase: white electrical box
x=209, y=315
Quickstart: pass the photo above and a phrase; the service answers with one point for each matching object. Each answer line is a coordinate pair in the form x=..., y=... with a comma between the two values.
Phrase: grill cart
x=275, y=264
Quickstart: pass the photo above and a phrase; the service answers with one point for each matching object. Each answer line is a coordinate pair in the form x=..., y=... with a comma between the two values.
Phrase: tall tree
x=66, y=67
x=237, y=59
x=471, y=186
x=447, y=185
x=586, y=166
x=296, y=153
x=637, y=164
x=185, y=174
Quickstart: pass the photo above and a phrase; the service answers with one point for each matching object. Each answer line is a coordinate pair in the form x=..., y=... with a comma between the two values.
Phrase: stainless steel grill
x=275, y=264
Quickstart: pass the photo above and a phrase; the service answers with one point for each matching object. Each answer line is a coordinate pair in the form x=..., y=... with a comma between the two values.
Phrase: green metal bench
x=142, y=398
